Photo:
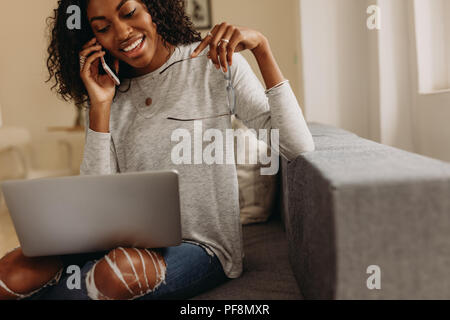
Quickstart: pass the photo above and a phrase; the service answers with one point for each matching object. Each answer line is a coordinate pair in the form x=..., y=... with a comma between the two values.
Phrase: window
x=432, y=30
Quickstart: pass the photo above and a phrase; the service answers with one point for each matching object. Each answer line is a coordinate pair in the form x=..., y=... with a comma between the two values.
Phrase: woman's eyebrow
x=117, y=9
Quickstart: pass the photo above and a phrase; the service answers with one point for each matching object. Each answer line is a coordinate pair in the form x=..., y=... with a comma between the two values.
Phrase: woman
x=168, y=84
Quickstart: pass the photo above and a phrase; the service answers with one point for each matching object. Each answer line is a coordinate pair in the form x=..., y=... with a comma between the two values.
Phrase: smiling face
x=125, y=29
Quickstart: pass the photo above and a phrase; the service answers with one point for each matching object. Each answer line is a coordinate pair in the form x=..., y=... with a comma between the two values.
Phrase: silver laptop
x=83, y=214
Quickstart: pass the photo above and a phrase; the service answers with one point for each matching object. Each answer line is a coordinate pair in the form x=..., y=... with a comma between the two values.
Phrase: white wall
x=433, y=129
x=366, y=81
x=335, y=63
x=432, y=29
x=431, y=106
x=26, y=99
x=396, y=105
x=422, y=124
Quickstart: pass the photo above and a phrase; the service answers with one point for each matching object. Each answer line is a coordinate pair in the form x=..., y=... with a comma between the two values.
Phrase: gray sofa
x=349, y=205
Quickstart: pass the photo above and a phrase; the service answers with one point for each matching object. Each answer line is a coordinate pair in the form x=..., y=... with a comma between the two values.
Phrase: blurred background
x=390, y=84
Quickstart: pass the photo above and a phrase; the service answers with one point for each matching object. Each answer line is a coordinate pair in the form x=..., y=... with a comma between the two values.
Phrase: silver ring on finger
x=82, y=62
x=223, y=43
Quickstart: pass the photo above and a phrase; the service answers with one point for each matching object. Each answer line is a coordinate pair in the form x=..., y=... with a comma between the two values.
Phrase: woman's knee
x=126, y=274
x=21, y=276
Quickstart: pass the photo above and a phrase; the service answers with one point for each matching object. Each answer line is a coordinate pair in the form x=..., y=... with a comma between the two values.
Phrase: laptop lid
x=81, y=214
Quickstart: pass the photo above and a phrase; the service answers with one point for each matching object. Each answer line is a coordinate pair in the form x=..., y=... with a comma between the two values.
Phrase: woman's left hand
x=225, y=39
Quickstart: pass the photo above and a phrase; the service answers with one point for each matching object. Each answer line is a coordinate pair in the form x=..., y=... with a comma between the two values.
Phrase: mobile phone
x=108, y=70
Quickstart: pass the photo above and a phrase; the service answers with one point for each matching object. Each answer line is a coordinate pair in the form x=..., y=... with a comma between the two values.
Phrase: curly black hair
x=172, y=23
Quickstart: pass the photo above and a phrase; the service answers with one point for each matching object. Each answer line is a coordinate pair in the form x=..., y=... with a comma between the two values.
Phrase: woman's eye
x=105, y=29
x=130, y=14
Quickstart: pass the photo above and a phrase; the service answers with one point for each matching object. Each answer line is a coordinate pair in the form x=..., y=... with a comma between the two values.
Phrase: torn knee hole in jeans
x=126, y=274
x=21, y=296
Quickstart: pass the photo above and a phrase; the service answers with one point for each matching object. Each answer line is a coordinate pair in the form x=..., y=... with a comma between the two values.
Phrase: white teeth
x=133, y=45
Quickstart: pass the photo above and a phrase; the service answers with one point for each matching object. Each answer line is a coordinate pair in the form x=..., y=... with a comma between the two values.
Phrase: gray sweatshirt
x=143, y=138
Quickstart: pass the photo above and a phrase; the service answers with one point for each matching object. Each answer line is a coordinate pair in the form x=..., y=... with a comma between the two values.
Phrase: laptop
x=84, y=214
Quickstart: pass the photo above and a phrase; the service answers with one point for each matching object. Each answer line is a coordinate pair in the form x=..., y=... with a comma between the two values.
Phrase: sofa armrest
x=354, y=203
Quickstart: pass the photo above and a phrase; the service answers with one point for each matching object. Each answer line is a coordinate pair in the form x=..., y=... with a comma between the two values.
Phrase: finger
x=202, y=46
x=116, y=66
x=213, y=31
x=93, y=73
x=223, y=47
x=90, y=60
x=90, y=43
x=214, y=50
x=88, y=51
x=231, y=48
x=215, y=41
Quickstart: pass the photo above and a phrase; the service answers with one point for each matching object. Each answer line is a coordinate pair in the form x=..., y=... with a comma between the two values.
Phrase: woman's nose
x=123, y=31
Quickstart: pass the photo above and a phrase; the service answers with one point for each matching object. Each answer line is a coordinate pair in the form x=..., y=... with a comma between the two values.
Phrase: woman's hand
x=225, y=39
x=101, y=88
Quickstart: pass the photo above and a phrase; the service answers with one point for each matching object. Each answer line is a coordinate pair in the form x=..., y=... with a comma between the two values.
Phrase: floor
x=8, y=237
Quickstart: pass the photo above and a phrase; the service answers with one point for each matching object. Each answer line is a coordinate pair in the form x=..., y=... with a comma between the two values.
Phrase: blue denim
x=190, y=271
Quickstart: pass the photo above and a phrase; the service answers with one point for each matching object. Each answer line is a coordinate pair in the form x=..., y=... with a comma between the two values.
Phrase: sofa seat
x=267, y=273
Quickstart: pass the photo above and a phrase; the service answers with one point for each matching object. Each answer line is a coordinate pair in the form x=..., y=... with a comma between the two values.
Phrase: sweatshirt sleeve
x=99, y=153
x=276, y=108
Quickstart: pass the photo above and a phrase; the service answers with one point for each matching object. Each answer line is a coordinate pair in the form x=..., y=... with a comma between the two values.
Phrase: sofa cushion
x=256, y=192
x=267, y=272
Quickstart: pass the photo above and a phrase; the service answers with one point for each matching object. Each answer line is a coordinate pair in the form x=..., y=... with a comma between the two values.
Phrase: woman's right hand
x=100, y=87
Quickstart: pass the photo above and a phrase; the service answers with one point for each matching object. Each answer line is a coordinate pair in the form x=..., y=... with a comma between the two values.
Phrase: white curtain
x=391, y=102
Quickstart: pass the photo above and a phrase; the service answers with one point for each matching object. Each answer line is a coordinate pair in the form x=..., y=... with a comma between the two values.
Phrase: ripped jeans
x=190, y=270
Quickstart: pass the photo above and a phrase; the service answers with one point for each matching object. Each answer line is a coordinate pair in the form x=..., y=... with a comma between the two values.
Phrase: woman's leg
x=21, y=277
x=171, y=273
x=190, y=272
